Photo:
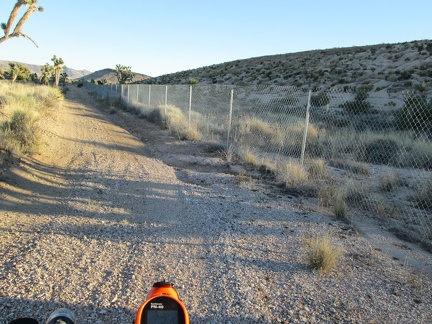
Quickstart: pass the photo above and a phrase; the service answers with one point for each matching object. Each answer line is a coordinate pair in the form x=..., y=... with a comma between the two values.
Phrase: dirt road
x=97, y=217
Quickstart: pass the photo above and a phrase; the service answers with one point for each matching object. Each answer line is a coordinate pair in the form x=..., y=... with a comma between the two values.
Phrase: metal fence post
x=306, y=129
x=166, y=99
x=190, y=105
x=230, y=118
x=137, y=93
x=149, y=96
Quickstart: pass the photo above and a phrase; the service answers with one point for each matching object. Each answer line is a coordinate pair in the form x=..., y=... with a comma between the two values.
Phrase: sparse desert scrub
x=356, y=193
x=254, y=131
x=289, y=139
x=385, y=210
x=380, y=151
x=273, y=135
x=317, y=169
x=320, y=252
x=389, y=181
x=248, y=156
x=21, y=133
x=339, y=206
x=291, y=174
x=397, y=148
x=423, y=197
x=228, y=154
x=22, y=106
x=352, y=166
x=326, y=194
x=176, y=122
x=331, y=196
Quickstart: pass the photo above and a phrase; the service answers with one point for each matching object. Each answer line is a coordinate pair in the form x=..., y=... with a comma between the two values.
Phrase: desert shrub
x=177, y=123
x=256, y=127
x=416, y=113
x=156, y=116
x=317, y=169
x=339, y=206
x=352, y=166
x=192, y=81
x=320, y=99
x=326, y=194
x=289, y=141
x=292, y=174
x=357, y=107
x=360, y=105
x=386, y=210
x=355, y=193
x=389, y=181
x=23, y=131
x=380, y=151
x=424, y=194
x=248, y=156
x=320, y=252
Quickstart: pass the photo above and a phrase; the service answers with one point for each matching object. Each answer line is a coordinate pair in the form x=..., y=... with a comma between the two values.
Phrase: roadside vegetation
x=22, y=106
x=321, y=253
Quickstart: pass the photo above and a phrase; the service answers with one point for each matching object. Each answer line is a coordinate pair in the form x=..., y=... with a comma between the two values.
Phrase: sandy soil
x=114, y=204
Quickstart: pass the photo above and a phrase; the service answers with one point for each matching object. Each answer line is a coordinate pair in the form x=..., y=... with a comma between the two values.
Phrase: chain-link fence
x=370, y=152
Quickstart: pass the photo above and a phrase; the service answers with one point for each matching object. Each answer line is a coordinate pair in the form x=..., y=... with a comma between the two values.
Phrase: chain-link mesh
x=373, y=150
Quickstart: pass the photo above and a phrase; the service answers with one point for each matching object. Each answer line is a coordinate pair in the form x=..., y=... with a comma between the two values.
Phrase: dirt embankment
x=114, y=204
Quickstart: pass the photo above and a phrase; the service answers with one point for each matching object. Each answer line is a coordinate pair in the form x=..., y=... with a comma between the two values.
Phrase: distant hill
x=72, y=73
x=111, y=77
x=388, y=67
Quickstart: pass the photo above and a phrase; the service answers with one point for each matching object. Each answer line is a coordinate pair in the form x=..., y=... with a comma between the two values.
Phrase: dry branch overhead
x=17, y=30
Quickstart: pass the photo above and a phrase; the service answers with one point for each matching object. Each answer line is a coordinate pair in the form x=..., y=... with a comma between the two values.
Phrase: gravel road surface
x=113, y=204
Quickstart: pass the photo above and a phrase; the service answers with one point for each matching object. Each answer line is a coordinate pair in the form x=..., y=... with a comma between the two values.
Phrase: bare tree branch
x=17, y=32
x=12, y=17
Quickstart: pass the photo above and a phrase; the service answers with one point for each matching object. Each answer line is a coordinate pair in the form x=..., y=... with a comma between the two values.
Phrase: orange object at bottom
x=162, y=306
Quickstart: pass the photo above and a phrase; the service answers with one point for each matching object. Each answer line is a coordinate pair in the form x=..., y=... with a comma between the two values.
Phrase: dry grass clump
x=352, y=166
x=389, y=181
x=228, y=154
x=386, y=210
x=326, y=194
x=248, y=156
x=291, y=174
x=317, y=169
x=320, y=252
x=176, y=122
x=21, y=133
x=253, y=131
x=257, y=126
x=22, y=106
x=243, y=177
x=339, y=206
x=424, y=194
x=331, y=197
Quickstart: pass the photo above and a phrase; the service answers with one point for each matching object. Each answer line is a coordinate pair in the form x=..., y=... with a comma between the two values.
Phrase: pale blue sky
x=164, y=36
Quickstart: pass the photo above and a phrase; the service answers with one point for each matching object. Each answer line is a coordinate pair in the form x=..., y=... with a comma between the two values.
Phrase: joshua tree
x=18, y=72
x=58, y=67
x=10, y=32
x=47, y=72
x=63, y=78
x=124, y=73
